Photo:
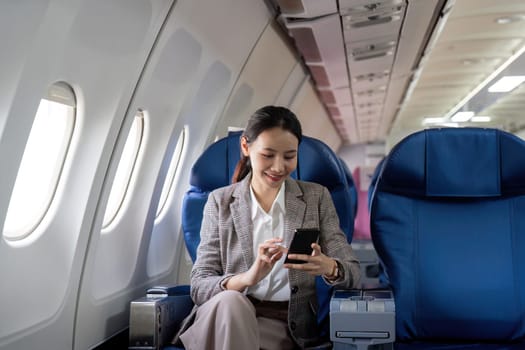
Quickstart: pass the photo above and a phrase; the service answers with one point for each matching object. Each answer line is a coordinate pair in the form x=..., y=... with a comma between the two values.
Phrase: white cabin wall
x=186, y=68
x=265, y=73
x=274, y=74
x=271, y=74
x=188, y=78
x=312, y=115
x=99, y=49
x=292, y=85
x=16, y=51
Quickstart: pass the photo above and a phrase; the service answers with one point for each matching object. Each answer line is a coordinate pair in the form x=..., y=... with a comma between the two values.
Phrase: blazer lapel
x=295, y=210
x=242, y=219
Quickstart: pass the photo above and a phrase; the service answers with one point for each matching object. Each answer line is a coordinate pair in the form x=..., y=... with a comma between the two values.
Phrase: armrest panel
x=362, y=319
x=157, y=316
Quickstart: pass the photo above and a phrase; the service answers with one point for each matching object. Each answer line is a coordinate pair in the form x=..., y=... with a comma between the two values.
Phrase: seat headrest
x=206, y=174
x=456, y=162
x=315, y=155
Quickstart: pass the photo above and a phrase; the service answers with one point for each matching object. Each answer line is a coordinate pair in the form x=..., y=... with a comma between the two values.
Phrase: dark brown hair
x=265, y=118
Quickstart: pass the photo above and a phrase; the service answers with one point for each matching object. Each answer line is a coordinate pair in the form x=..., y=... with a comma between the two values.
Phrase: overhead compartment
x=362, y=55
x=320, y=42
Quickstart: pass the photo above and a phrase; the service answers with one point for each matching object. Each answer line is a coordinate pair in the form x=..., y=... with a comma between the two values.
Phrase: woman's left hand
x=315, y=264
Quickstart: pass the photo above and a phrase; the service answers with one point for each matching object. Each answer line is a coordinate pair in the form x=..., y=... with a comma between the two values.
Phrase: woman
x=245, y=296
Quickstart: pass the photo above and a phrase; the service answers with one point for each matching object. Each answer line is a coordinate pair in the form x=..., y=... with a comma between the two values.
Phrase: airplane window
x=125, y=169
x=42, y=162
x=170, y=176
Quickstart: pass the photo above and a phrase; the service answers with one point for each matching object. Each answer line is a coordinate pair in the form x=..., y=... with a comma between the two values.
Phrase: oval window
x=170, y=176
x=125, y=169
x=42, y=162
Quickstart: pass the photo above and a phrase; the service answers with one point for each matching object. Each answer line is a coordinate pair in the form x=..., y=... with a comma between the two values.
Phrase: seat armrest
x=169, y=290
x=362, y=319
x=155, y=318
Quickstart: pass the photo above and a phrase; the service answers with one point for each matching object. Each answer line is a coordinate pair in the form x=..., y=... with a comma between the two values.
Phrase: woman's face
x=273, y=156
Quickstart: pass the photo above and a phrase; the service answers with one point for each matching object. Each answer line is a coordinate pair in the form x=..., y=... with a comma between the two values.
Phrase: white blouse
x=275, y=286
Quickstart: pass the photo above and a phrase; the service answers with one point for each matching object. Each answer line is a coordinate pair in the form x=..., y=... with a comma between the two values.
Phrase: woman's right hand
x=268, y=253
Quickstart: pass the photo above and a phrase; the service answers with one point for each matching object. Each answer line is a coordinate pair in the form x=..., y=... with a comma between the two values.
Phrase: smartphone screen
x=302, y=243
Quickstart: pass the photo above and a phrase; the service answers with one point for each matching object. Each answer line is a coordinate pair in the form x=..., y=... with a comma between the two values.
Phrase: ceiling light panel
x=507, y=83
x=480, y=119
x=433, y=120
x=461, y=117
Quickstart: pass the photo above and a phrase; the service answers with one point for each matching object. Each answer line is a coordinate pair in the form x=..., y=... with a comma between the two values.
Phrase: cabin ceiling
x=382, y=66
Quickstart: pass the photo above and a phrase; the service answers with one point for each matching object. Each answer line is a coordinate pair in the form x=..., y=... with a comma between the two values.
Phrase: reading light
x=461, y=117
x=507, y=83
x=480, y=119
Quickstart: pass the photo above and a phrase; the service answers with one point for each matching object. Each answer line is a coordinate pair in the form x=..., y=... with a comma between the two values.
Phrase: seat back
x=213, y=169
x=447, y=222
x=351, y=183
x=316, y=163
x=373, y=181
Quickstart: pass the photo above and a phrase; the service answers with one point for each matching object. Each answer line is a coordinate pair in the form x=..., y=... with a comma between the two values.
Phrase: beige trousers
x=227, y=321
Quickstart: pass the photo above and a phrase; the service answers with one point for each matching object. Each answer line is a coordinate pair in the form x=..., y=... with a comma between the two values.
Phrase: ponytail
x=242, y=169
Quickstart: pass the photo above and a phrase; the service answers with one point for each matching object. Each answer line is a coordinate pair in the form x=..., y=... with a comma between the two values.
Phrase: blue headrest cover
x=331, y=176
x=456, y=162
x=208, y=173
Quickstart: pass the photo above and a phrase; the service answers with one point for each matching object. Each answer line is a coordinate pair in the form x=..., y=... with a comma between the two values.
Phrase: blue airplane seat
x=213, y=169
x=351, y=183
x=316, y=163
x=447, y=221
x=373, y=181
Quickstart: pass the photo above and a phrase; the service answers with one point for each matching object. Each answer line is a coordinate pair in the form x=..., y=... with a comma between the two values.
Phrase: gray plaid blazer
x=226, y=247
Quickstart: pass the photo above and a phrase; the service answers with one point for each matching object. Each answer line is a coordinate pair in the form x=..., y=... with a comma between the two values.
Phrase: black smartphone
x=302, y=243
